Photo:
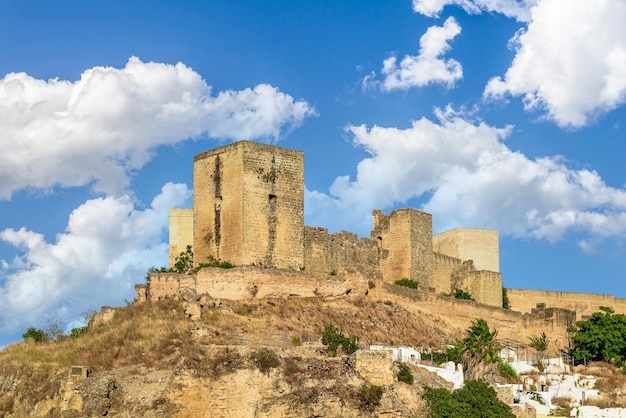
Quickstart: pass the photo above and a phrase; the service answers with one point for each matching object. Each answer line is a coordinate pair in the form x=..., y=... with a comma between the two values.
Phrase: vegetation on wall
x=601, y=337
x=459, y=294
x=475, y=399
x=456, y=279
x=412, y=284
x=184, y=261
x=506, y=304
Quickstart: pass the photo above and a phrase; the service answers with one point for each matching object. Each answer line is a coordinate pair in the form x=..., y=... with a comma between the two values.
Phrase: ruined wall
x=511, y=325
x=249, y=205
x=405, y=238
x=478, y=245
x=340, y=253
x=584, y=304
x=375, y=366
x=181, y=232
x=252, y=282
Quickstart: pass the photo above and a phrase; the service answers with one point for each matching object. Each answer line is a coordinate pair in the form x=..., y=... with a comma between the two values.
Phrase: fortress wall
x=273, y=212
x=485, y=287
x=163, y=285
x=249, y=205
x=405, y=237
x=181, y=232
x=253, y=282
x=479, y=245
x=443, y=267
x=584, y=304
x=510, y=324
x=340, y=253
x=218, y=205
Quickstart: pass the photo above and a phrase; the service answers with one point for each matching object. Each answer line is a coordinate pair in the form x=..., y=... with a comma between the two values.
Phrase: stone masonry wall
x=485, y=287
x=253, y=282
x=376, y=366
x=181, y=232
x=585, y=304
x=405, y=238
x=443, y=267
x=218, y=205
x=273, y=211
x=511, y=325
x=249, y=205
x=340, y=253
x=478, y=245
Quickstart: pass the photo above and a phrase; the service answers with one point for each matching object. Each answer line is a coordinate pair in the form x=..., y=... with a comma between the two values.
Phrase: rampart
x=584, y=304
x=511, y=325
x=252, y=282
x=340, y=253
x=443, y=268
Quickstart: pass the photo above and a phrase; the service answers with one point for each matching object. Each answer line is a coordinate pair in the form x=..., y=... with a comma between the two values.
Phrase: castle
x=249, y=210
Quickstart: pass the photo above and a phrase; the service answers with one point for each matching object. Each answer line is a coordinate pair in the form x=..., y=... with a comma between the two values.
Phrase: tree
x=332, y=337
x=184, y=261
x=601, y=337
x=539, y=343
x=476, y=399
x=479, y=348
x=36, y=334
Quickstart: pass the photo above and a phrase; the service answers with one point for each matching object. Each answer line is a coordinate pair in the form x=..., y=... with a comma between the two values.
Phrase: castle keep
x=249, y=210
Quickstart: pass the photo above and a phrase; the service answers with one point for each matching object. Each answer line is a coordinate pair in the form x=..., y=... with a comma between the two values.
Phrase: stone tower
x=249, y=205
x=405, y=238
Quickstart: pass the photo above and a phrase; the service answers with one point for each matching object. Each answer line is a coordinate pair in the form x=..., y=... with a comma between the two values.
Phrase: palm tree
x=479, y=349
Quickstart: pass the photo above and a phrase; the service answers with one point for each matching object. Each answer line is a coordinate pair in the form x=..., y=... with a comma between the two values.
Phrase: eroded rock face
x=305, y=383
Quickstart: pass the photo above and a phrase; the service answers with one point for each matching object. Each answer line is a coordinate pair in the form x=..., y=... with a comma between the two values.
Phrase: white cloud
x=104, y=126
x=468, y=177
x=517, y=9
x=107, y=247
x=428, y=66
x=570, y=62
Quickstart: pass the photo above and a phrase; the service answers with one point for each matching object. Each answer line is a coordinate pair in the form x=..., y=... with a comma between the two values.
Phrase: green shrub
x=474, y=400
x=296, y=341
x=370, y=395
x=244, y=309
x=332, y=337
x=36, y=334
x=404, y=374
x=507, y=371
x=412, y=284
x=266, y=360
x=213, y=262
x=184, y=261
x=459, y=294
x=76, y=332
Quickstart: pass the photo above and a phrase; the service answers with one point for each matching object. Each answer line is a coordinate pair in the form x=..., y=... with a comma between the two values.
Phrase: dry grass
x=161, y=336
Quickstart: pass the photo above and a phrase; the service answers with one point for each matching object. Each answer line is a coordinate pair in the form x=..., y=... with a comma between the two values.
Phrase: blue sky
x=504, y=115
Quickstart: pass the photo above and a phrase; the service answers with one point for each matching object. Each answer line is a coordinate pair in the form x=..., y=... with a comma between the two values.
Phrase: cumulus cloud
x=104, y=126
x=93, y=263
x=570, y=62
x=425, y=68
x=467, y=176
x=517, y=9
